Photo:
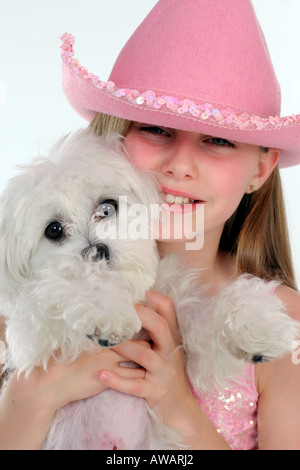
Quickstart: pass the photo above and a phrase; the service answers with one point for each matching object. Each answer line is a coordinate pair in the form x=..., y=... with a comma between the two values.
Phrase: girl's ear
x=267, y=163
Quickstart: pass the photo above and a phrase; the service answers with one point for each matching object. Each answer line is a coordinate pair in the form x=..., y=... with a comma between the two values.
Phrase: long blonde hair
x=256, y=233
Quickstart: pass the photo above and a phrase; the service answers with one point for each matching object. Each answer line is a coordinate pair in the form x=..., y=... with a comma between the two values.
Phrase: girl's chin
x=180, y=223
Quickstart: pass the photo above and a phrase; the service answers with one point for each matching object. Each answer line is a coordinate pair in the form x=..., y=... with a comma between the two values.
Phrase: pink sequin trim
x=207, y=112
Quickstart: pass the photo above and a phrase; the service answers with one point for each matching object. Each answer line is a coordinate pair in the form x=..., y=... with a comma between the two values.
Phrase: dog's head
x=85, y=200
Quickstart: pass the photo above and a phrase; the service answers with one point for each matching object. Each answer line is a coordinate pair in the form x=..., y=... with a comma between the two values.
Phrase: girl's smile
x=180, y=202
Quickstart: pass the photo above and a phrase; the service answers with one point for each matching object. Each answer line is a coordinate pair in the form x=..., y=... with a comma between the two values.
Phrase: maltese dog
x=71, y=274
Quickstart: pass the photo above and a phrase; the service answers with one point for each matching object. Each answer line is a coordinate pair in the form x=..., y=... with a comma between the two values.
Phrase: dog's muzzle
x=96, y=252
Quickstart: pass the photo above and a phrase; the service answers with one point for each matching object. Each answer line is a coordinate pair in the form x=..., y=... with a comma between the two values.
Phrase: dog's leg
x=253, y=324
x=242, y=323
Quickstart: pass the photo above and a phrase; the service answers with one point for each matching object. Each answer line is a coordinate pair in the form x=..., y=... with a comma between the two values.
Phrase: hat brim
x=88, y=95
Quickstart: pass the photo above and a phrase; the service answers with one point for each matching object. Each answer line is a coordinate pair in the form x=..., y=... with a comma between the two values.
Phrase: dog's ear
x=14, y=260
x=17, y=229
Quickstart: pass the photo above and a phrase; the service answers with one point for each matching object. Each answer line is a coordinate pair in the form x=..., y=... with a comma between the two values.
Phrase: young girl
x=195, y=95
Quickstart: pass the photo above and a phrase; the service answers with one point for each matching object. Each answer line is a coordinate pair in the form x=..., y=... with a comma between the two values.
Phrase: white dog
x=69, y=276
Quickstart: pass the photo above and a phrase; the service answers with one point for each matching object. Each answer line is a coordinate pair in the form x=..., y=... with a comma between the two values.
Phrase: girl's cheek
x=143, y=162
x=139, y=154
x=233, y=180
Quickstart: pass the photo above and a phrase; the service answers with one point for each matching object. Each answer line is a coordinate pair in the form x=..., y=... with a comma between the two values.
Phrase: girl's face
x=200, y=168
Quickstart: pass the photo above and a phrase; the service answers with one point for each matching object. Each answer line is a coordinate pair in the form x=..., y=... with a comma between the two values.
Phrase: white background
x=33, y=109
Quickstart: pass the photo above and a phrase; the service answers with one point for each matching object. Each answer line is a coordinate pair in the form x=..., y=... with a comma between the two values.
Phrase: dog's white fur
x=56, y=300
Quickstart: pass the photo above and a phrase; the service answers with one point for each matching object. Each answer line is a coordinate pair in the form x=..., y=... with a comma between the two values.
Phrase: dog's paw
x=106, y=341
x=265, y=338
x=268, y=350
x=255, y=326
x=113, y=331
x=255, y=358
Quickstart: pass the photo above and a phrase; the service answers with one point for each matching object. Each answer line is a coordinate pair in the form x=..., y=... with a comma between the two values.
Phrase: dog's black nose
x=95, y=252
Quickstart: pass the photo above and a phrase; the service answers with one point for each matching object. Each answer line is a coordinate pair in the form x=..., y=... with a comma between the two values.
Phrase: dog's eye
x=54, y=231
x=106, y=208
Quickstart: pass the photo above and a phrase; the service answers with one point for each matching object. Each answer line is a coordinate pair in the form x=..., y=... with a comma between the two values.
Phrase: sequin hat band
x=203, y=111
x=237, y=102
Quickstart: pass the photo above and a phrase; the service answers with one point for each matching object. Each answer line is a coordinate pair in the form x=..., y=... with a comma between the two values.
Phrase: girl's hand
x=71, y=381
x=35, y=399
x=165, y=385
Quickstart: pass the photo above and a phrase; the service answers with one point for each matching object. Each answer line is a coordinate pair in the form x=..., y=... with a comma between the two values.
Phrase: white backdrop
x=33, y=109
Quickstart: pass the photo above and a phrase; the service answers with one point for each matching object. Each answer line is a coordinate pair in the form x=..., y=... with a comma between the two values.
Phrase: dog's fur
x=60, y=295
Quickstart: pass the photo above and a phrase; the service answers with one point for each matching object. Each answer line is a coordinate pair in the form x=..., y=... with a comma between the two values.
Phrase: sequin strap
x=206, y=112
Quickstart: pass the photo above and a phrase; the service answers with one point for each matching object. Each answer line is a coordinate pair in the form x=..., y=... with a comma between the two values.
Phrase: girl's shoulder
x=278, y=384
x=290, y=299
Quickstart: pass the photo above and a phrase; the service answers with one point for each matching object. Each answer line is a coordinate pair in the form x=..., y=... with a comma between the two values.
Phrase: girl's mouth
x=171, y=199
x=172, y=196
x=179, y=202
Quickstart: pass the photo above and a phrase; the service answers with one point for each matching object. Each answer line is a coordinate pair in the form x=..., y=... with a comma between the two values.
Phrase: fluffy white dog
x=70, y=275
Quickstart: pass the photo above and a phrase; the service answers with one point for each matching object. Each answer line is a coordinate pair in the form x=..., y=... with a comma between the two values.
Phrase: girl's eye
x=219, y=142
x=155, y=130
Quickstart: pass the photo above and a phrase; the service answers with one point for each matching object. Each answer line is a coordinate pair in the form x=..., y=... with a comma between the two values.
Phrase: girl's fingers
x=157, y=327
x=139, y=353
x=160, y=323
x=122, y=384
x=164, y=306
x=132, y=372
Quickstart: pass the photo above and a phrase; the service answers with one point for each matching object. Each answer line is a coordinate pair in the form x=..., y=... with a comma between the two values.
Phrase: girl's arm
x=278, y=384
x=165, y=385
x=28, y=404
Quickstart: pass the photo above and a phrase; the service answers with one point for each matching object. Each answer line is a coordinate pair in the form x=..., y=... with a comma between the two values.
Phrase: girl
x=195, y=95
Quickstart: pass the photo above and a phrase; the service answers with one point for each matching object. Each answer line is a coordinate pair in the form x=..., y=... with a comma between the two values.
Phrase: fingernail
x=103, y=376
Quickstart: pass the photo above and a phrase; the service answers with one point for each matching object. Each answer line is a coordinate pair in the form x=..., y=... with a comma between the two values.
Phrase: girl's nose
x=181, y=162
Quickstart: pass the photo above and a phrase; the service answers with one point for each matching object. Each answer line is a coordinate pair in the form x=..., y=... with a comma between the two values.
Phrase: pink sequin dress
x=233, y=411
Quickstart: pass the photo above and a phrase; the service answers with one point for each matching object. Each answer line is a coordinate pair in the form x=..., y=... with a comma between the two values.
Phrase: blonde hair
x=256, y=233
x=105, y=125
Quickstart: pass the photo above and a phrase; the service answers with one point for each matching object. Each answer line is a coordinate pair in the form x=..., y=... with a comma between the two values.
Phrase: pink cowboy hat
x=195, y=65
